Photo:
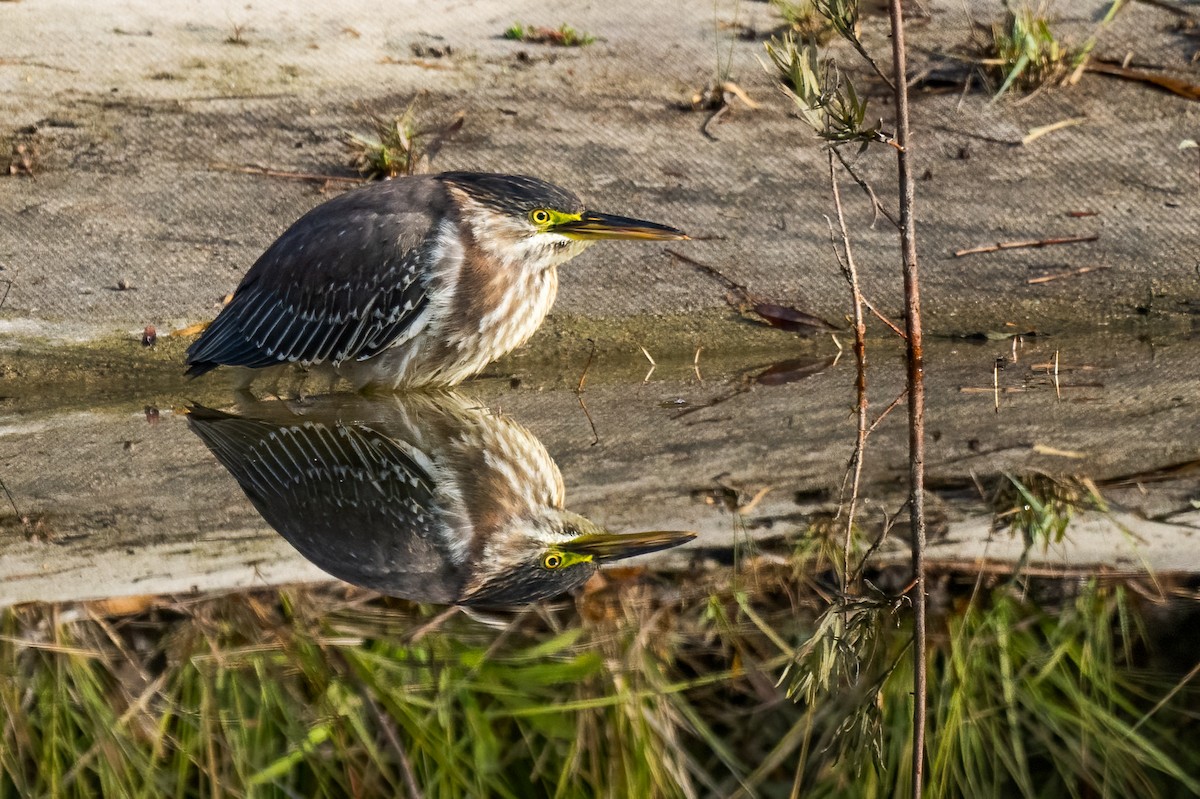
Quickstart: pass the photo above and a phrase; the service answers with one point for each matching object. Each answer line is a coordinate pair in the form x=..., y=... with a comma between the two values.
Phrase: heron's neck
x=482, y=306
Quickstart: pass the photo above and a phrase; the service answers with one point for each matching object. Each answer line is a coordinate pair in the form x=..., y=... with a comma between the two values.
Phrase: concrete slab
x=133, y=109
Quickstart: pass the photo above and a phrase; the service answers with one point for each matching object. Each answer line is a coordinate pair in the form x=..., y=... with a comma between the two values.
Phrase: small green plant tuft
x=1025, y=53
x=562, y=36
x=397, y=146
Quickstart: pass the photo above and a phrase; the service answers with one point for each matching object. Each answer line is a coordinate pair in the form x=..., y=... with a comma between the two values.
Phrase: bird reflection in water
x=427, y=497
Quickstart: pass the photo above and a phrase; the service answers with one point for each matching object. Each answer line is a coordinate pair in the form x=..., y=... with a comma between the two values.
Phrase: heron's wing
x=353, y=501
x=348, y=280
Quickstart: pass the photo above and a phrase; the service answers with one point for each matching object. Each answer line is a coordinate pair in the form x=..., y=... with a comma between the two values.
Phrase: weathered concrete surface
x=132, y=110
x=116, y=505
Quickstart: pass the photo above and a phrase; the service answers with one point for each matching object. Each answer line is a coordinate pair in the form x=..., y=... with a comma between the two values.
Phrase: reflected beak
x=613, y=546
x=593, y=227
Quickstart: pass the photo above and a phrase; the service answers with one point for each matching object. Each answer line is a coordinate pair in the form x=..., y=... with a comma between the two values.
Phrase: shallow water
x=120, y=497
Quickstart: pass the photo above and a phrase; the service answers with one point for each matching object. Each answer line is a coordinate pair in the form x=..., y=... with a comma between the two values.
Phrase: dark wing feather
x=345, y=281
x=348, y=498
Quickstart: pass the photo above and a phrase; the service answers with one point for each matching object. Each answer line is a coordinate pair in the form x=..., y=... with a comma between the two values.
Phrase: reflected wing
x=348, y=280
x=351, y=500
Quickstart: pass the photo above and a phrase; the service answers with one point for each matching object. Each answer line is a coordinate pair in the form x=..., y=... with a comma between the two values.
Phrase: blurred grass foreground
x=699, y=684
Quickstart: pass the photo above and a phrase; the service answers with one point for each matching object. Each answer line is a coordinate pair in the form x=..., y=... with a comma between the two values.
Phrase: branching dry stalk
x=834, y=110
x=854, y=469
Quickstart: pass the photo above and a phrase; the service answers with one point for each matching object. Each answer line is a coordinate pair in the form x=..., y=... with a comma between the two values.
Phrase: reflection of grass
x=641, y=690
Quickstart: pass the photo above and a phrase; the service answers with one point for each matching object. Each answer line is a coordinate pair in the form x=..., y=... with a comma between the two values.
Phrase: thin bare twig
x=899, y=398
x=433, y=624
x=278, y=173
x=731, y=285
x=1042, y=130
x=389, y=731
x=992, y=389
x=996, y=384
x=892, y=325
x=876, y=205
x=916, y=392
x=888, y=523
x=13, y=502
x=587, y=366
x=8, y=284
x=852, y=38
x=1083, y=270
x=1057, y=387
x=25, y=62
x=1016, y=245
x=579, y=394
x=758, y=308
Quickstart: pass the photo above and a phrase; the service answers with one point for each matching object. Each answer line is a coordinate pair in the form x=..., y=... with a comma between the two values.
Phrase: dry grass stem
x=1023, y=243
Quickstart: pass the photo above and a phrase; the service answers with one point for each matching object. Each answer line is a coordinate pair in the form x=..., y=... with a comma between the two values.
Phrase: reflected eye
x=552, y=560
x=539, y=216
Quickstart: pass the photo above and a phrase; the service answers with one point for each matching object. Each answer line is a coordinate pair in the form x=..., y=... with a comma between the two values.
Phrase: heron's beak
x=591, y=226
x=614, y=546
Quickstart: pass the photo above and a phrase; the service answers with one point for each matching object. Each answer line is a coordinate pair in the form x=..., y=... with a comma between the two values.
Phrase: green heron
x=426, y=496
x=417, y=281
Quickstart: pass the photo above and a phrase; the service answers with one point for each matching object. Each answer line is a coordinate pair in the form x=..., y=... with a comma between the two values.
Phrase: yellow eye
x=539, y=216
x=552, y=560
